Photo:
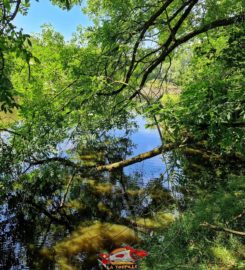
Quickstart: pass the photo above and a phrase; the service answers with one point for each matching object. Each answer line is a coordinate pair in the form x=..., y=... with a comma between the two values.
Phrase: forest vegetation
x=64, y=193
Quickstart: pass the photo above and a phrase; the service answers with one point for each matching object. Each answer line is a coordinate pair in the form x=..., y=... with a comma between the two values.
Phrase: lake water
x=26, y=227
x=145, y=140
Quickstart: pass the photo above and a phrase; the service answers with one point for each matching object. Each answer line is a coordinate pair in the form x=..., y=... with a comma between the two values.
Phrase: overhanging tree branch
x=218, y=23
x=205, y=28
x=11, y=132
x=170, y=44
x=144, y=29
x=15, y=10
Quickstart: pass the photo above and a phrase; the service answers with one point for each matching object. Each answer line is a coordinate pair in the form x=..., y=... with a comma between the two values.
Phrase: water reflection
x=55, y=217
x=144, y=140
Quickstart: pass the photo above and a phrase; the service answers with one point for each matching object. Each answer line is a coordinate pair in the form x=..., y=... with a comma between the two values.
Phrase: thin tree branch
x=215, y=24
x=145, y=27
x=16, y=10
x=177, y=42
x=217, y=228
x=11, y=132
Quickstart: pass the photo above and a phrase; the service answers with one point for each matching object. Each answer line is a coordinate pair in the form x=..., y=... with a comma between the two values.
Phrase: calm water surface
x=145, y=140
x=21, y=234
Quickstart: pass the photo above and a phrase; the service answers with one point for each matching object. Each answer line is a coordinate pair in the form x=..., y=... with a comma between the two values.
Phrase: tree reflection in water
x=56, y=215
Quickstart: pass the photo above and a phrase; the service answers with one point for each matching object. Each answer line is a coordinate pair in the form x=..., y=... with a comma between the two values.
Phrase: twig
x=217, y=228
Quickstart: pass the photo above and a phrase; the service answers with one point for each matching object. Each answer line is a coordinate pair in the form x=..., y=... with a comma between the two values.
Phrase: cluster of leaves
x=11, y=41
x=210, y=106
x=15, y=43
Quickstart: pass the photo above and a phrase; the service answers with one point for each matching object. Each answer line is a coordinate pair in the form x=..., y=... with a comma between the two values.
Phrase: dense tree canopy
x=63, y=187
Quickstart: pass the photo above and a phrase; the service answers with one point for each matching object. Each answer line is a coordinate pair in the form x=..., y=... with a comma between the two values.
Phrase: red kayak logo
x=121, y=258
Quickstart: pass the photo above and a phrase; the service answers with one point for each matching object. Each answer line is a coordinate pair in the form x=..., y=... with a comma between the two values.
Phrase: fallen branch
x=124, y=163
x=138, y=158
x=238, y=216
x=217, y=228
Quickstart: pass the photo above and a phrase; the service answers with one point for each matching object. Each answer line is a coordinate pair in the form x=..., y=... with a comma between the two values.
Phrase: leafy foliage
x=211, y=104
x=188, y=243
x=163, y=59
